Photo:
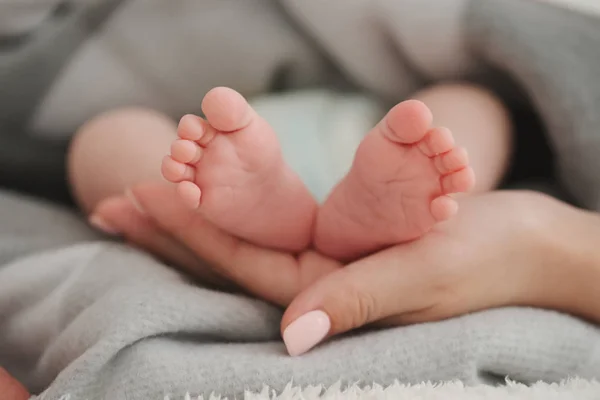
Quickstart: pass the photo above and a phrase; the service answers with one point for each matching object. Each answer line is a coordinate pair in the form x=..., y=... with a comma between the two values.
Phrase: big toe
x=226, y=110
x=407, y=122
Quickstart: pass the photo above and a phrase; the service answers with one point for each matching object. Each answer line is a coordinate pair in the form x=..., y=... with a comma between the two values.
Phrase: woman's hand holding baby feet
x=503, y=248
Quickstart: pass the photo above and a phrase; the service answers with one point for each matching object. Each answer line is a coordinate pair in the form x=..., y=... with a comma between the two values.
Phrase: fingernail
x=306, y=332
x=129, y=194
x=100, y=223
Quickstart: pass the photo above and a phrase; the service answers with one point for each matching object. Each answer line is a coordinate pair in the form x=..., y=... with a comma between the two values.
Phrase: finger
x=271, y=275
x=392, y=282
x=118, y=215
x=10, y=389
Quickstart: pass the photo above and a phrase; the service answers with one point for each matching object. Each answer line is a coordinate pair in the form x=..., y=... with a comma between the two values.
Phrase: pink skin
x=10, y=389
x=397, y=188
x=231, y=169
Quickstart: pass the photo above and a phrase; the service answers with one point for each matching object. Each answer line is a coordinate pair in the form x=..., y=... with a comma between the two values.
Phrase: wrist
x=584, y=276
x=570, y=271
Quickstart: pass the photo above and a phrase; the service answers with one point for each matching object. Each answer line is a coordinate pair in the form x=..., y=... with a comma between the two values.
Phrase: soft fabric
x=96, y=319
x=568, y=390
x=58, y=70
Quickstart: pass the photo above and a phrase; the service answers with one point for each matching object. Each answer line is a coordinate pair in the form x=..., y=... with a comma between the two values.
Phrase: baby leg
x=479, y=122
x=230, y=167
x=116, y=150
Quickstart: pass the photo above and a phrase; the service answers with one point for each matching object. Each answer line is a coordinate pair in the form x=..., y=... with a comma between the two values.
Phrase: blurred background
x=64, y=62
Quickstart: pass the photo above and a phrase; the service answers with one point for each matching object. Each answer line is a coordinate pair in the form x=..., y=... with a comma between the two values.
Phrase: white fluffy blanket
x=567, y=390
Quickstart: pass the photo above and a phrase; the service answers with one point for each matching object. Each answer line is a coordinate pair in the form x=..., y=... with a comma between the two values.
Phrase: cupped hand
x=152, y=217
x=490, y=255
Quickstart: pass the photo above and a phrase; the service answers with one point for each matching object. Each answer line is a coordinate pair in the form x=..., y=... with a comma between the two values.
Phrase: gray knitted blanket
x=94, y=319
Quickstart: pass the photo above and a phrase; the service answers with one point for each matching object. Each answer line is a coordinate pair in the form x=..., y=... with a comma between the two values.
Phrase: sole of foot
x=229, y=166
x=397, y=188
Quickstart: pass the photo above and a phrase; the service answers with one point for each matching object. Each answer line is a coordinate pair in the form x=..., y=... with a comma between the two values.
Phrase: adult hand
x=502, y=249
x=10, y=389
x=152, y=217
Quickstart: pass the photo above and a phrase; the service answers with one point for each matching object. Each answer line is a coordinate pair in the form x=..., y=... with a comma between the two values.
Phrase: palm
x=477, y=260
x=184, y=238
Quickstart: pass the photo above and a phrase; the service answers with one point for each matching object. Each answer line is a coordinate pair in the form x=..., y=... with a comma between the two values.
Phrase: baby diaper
x=319, y=132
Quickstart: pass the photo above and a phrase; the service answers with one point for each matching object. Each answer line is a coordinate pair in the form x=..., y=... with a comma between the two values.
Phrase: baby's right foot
x=397, y=188
x=231, y=168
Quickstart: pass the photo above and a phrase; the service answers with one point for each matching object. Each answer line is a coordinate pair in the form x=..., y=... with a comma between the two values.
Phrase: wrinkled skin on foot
x=397, y=188
x=230, y=168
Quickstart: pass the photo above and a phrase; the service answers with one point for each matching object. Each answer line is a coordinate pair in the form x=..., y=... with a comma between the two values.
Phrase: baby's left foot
x=397, y=188
x=231, y=169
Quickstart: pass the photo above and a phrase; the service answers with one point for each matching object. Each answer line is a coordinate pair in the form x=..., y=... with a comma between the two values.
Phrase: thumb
x=380, y=286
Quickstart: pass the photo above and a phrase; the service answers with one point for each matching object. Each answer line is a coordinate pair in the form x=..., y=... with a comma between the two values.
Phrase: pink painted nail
x=100, y=223
x=306, y=332
x=129, y=194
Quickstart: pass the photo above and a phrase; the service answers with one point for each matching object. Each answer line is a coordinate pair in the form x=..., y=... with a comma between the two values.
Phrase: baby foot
x=231, y=168
x=397, y=188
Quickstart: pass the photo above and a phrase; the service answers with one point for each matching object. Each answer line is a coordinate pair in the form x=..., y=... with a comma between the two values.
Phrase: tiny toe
x=175, y=171
x=186, y=151
x=437, y=141
x=226, y=110
x=443, y=208
x=407, y=122
x=454, y=160
x=459, y=181
x=190, y=194
x=191, y=127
